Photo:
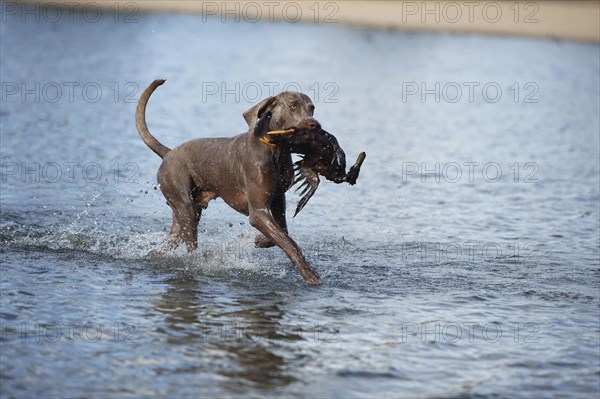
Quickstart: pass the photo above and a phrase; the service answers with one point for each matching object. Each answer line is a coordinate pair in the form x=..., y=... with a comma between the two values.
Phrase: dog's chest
x=284, y=170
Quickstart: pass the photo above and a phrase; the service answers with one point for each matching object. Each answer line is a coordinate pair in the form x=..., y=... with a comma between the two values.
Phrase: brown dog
x=250, y=175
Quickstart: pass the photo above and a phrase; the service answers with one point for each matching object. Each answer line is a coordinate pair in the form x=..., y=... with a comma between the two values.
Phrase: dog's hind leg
x=187, y=215
x=171, y=242
x=186, y=209
x=174, y=236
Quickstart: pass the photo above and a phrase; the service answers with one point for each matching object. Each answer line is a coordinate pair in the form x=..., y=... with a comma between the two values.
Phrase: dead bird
x=321, y=155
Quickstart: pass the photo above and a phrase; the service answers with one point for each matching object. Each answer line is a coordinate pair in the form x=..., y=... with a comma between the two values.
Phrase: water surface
x=464, y=263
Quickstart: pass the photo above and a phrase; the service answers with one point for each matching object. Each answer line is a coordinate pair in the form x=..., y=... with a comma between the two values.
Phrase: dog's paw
x=310, y=275
x=313, y=281
x=263, y=242
x=154, y=253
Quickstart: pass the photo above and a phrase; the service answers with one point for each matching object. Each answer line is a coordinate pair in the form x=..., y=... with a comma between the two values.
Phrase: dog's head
x=289, y=110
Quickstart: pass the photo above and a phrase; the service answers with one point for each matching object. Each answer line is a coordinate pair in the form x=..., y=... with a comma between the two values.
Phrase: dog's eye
x=293, y=106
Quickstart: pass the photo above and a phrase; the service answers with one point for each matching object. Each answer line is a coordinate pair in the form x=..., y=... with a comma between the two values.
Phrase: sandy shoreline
x=569, y=20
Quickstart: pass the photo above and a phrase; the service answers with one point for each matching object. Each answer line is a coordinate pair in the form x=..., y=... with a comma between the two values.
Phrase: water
x=464, y=263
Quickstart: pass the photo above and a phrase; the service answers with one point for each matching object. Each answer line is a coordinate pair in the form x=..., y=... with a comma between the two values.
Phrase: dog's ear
x=262, y=124
x=257, y=111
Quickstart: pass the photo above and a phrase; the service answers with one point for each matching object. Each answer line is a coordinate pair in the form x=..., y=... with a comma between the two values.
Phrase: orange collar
x=268, y=142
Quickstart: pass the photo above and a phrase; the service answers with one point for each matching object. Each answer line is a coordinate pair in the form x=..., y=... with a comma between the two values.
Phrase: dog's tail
x=140, y=121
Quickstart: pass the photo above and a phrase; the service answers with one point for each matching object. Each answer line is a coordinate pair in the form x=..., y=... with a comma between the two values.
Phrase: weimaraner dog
x=248, y=172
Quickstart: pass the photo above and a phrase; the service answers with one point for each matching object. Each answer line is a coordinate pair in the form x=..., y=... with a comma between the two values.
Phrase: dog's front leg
x=278, y=212
x=262, y=220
